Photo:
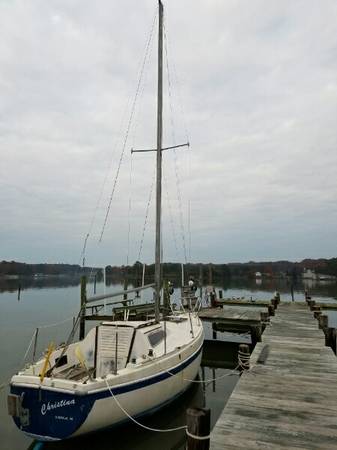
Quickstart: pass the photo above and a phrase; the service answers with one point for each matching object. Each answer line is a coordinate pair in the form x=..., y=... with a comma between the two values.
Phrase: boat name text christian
x=50, y=406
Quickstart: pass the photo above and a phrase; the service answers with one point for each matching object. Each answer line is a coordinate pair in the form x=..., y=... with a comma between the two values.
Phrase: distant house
x=258, y=275
x=309, y=274
x=322, y=277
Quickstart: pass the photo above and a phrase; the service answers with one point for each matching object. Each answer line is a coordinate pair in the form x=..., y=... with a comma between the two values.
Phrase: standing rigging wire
x=99, y=199
x=181, y=217
x=178, y=86
x=141, y=70
x=82, y=256
x=135, y=128
x=142, y=90
x=129, y=211
x=184, y=121
x=133, y=107
x=171, y=216
x=146, y=216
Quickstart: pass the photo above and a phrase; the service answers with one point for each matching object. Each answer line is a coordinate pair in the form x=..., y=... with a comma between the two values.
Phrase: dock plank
x=231, y=315
x=290, y=402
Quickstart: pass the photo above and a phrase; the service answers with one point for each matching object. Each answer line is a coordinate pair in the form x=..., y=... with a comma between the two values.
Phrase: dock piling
x=317, y=313
x=323, y=322
x=330, y=338
x=198, y=428
x=311, y=304
x=256, y=333
x=214, y=334
x=264, y=319
x=277, y=298
x=243, y=357
x=271, y=310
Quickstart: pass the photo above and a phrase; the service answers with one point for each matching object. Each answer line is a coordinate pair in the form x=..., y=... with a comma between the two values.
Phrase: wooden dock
x=242, y=302
x=290, y=402
x=237, y=316
x=237, y=320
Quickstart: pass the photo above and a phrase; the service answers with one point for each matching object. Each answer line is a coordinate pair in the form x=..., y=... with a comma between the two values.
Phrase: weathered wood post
x=317, y=313
x=214, y=331
x=83, y=303
x=198, y=428
x=323, y=321
x=307, y=296
x=330, y=338
x=19, y=291
x=256, y=333
x=316, y=310
x=273, y=301
x=264, y=319
x=243, y=357
x=201, y=280
x=277, y=297
x=220, y=293
x=311, y=304
x=271, y=310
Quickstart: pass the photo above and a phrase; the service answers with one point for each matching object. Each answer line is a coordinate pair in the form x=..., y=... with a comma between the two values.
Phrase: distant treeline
x=207, y=273
x=18, y=268
x=203, y=272
x=170, y=271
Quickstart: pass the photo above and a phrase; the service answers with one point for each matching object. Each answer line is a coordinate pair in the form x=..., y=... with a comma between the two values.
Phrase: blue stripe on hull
x=57, y=415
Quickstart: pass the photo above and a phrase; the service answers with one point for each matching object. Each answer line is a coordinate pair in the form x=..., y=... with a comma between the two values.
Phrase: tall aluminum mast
x=159, y=163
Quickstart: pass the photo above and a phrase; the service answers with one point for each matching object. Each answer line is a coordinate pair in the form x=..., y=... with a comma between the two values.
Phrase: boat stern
x=45, y=414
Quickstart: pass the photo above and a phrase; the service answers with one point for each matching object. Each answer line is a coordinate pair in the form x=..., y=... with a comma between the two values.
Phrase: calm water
x=45, y=302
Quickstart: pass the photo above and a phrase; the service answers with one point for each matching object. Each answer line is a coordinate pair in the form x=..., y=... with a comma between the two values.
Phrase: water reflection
x=241, y=286
x=12, y=285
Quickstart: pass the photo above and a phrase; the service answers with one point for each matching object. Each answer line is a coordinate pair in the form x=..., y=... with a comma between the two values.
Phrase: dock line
x=157, y=430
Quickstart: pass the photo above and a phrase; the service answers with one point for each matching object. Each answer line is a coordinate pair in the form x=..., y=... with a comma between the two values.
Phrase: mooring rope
x=244, y=360
x=232, y=372
x=158, y=430
x=198, y=438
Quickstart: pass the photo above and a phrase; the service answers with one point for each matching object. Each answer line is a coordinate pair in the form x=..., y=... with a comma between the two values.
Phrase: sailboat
x=120, y=369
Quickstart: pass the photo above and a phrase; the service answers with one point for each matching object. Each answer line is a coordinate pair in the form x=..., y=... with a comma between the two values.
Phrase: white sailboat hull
x=140, y=402
x=59, y=409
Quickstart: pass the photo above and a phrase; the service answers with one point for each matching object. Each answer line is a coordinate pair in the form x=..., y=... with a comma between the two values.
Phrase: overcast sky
x=252, y=85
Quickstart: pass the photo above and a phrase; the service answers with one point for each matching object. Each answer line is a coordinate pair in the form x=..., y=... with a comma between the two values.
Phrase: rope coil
x=198, y=438
x=244, y=360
